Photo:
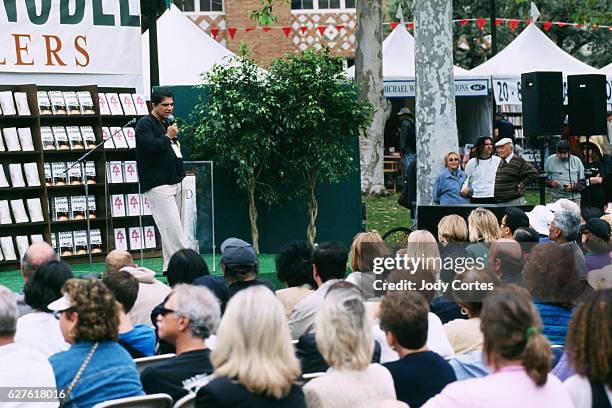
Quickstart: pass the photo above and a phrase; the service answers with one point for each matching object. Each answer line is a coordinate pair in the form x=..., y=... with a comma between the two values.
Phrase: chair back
x=144, y=362
x=143, y=401
x=188, y=401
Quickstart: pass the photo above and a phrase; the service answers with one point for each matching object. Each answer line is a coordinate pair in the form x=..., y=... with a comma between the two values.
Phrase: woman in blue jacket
x=447, y=188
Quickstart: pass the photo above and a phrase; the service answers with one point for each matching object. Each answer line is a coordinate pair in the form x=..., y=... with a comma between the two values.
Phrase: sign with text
x=463, y=87
x=62, y=36
x=507, y=90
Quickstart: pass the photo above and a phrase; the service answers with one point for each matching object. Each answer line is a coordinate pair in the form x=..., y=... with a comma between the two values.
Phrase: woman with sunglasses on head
x=447, y=189
x=95, y=368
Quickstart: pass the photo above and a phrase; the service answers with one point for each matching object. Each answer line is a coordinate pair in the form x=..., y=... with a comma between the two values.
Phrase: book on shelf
x=5, y=213
x=133, y=204
x=6, y=243
x=53, y=239
x=48, y=174
x=22, y=244
x=36, y=238
x=25, y=139
x=103, y=104
x=89, y=137
x=80, y=242
x=130, y=136
x=146, y=209
x=35, y=209
x=118, y=138
x=7, y=103
x=90, y=172
x=127, y=103
x=66, y=243
x=78, y=206
x=46, y=135
x=11, y=139
x=74, y=138
x=61, y=138
x=60, y=208
x=115, y=172
x=16, y=175
x=91, y=204
x=117, y=205
x=86, y=102
x=130, y=171
x=135, y=237
x=95, y=238
x=72, y=103
x=141, y=104
x=2, y=146
x=108, y=140
x=19, y=212
x=44, y=103
x=149, y=237
x=1, y=255
x=75, y=175
x=21, y=100
x=58, y=169
x=114, y=104
x=58, y=104
x=31, y=174
x=3, y=181
x=120, y=239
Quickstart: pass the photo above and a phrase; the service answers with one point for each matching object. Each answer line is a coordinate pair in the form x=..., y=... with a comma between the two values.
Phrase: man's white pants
x=165, y=203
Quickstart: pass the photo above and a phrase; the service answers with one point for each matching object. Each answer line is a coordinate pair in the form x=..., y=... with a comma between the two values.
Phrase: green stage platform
x=267, y=269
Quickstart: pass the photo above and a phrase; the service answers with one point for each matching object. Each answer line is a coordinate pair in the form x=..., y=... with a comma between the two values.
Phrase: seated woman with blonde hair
x=254, y=361
x=342, y=330
x=483, y=230
x=447, y=188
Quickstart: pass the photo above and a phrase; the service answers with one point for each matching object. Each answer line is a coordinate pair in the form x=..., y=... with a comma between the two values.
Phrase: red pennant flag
x=528, y=22
x=249, y=29
x=463, y=21
x=498, y=21
x=321, y=29
x=232, y=32
x=286, y=31
x=410, y=25
x=214, y=32
x=547, y=25
x=393, y=25
x=266, y=29
x=513, y=24
x=340, y=27
x=579, y=25
x=303, y=29
x=480, y=22
x=561, y=24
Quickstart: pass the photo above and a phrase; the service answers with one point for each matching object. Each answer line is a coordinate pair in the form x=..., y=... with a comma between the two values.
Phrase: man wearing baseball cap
x=513, y=175
x=240, y=267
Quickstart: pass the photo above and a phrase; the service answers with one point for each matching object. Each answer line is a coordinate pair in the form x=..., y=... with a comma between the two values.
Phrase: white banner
x=463, y=87
x=507, y=90
x=70, y=36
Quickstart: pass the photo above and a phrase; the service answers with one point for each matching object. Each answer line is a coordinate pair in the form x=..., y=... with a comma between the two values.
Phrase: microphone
x=132, y=122
x=170, y=120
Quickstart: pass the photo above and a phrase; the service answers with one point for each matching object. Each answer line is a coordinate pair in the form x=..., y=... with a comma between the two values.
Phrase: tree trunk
x=369, y=79
x=436, y=124
x=253, y=216
x=313, y=209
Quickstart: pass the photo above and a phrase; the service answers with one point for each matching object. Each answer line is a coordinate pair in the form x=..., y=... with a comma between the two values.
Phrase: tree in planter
x=318, y=118
x=233, y=124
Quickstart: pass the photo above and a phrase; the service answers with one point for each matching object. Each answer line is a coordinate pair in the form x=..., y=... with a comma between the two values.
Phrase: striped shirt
x=512, y=178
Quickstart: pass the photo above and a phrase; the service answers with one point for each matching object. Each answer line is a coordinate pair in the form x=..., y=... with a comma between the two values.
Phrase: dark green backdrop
x=339, y=204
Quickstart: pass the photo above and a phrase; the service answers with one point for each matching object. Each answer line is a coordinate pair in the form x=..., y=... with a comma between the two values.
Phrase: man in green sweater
x=513, y=175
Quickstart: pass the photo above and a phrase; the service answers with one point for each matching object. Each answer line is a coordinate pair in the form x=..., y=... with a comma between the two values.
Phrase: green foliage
x=265, y=14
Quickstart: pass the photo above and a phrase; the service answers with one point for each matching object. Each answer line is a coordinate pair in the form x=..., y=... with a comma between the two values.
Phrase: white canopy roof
x=531, y=51
x=607, y=70
x=184, y=51
x=398, y=57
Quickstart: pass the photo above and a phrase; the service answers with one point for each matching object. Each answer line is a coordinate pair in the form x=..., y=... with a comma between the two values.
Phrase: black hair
x=124, y=287
x=516, y=218
x=330, y=260
x=526, y=234
x=563, y=147
x=159, y=94
x=590, y=212
x=480, y=143
x=45, y=285
x=294, y=264
x=186, y=265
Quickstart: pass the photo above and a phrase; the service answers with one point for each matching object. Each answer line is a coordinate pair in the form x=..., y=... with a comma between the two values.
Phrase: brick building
x=301, y=25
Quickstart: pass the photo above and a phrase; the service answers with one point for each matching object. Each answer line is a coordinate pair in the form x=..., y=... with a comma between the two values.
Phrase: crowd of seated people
x=528, y=326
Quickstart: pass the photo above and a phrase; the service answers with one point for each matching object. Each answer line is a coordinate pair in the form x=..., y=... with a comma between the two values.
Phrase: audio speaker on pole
x=542, y=96
x=586, y=95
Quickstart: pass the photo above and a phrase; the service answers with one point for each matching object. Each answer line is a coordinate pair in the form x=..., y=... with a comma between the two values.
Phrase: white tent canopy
x=184, y=51
x=607, y=70
x=399, y=68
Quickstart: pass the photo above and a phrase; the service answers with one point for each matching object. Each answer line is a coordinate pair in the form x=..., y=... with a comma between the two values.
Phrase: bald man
x=506, y=261
x=36, y=255
x=151, y=292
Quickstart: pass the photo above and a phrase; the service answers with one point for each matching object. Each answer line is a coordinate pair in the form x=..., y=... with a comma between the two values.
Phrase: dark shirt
x=407, y=142
x=157, y=164
x=510, y=175
x=420, y=376
x=178, y=375
x=223, y=392
x=238, y=286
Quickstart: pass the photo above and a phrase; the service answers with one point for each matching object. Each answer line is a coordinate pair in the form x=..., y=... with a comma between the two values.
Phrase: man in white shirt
x=21, y=366
x=481, y=170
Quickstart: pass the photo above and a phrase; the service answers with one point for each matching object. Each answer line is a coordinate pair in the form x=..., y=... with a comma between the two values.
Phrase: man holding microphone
x=160, y=170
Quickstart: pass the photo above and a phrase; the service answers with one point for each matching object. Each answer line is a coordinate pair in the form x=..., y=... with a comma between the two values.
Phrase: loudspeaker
x=542, y=97
x=586, y=95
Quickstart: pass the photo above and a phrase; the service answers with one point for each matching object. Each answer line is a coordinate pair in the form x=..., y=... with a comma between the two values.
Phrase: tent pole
x=153, y=58
x=493, y=28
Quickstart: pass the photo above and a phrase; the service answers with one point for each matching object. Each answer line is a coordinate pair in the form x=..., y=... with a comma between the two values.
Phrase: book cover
x=90, y=172
x=114, y=104
x=35, y=209
x=80, y=242
x=120, y=239
x=89, y=137
x=7, y=104
x=104, y=110
x=75, y=175
x=19, y=212
x=46, y=134
x=133, y=204
x=48, y=175
x=95, y=238
x=5, y=213
x=11, y=139
x=44, y=103
x=62, y=208
x=22, y=244
x=108, y=140
x=118, y=138
x=135, y=238
x=115, y=172
x=117, y=205
x=58, y=104
x=149, y=237
x=86, y=102
x=53, y=238
x=91, y=206
x=74, y=138
x=21, y=100
x=141, y=104
x=146, y=209
x=16, y=175
x=58, y=169
x=78, y=206
x=2, y=147
x=130, y=136
x=25, y=139
x=3, y=181
x=31, y=174
x=130, y=173
x=72, y=103
x=36, y=238
x=127, y=103
x=61, y=138
x=6, y=243
x=66, y=243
